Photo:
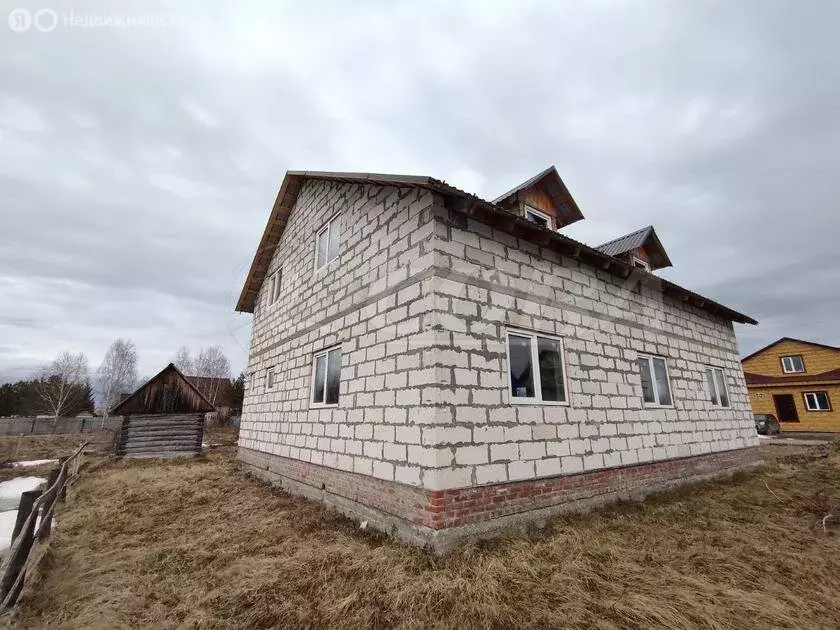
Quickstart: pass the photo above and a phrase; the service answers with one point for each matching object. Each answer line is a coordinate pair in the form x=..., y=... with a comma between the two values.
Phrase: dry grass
x=29, y=447
x=197, y=544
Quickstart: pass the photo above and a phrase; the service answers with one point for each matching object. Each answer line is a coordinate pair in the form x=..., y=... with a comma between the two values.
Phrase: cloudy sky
x=138, y=164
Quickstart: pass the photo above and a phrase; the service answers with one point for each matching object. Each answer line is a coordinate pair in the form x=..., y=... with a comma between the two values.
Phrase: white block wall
x=486, y=281
x=419, y=300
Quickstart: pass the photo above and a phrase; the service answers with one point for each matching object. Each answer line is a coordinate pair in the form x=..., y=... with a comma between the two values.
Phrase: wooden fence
x=34, y=521
x=46, y=426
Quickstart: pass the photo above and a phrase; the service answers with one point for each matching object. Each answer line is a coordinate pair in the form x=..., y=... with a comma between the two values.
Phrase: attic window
x=326, y=243
x=640, y=264
x=541, y=219
x=274, y=286
x=793, y=364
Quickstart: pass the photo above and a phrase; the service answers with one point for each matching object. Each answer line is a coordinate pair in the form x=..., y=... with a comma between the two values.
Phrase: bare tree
x=212, y=364
x=183, y=361
x=59, y=384
x=118, y=372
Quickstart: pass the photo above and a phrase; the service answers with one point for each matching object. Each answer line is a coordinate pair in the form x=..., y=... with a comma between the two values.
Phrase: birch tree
x=212, y=364
x=118, y=372
x=183, y=361
x=60, y=383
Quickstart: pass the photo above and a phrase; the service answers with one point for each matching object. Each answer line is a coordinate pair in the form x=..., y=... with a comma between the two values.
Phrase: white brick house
x=442, y=366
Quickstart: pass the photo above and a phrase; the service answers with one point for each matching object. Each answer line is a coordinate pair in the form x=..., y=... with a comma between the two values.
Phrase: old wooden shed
x=163, y=418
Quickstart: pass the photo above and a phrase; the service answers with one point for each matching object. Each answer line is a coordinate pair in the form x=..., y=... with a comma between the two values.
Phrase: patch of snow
x=34, y=462
x=11, y=490
x=765, y=437
x=7, y=526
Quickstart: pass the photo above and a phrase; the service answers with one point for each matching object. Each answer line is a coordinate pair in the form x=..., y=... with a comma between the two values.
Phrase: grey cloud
x=138, y=166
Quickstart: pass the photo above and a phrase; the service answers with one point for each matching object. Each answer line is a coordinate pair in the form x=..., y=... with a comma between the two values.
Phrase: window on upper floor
x=656, y=386
x=327, y=243
x=793, y=364
x=326, y=377
x=536, y=368
x=274, y=283
x=270, y=378
x=718, y=392
x=817, y=401
x=640, y=264
x=540, y=218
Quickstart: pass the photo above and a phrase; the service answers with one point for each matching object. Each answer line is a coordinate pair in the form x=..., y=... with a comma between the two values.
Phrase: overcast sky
x=138, y=165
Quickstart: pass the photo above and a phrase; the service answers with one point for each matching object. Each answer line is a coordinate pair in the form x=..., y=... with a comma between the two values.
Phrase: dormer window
x=640, y=264
x=540, y=218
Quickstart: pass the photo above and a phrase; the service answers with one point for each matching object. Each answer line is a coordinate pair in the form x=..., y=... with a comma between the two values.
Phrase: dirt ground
x=198, y=544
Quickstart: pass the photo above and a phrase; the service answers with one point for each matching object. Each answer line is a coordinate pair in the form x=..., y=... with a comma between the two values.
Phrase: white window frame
x=715, y=391
x=270, y=379
x=816, y=406
x=549, y=219
x=537, y=400
x=640, y=264
x=657, y=404
x=792, y=370
x=275, y=283
x=323, y=353
x=326, y=229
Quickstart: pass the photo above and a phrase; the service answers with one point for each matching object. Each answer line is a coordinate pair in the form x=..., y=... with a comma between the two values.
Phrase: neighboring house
x=798, y=382
x=443, y=366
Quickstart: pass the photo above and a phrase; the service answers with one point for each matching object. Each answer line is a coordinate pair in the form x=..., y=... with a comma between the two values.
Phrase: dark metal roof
x=626, y=243
x=646, y=238
x=526, y=184
x=761, y=379
x=550, y=182
x=468, y=203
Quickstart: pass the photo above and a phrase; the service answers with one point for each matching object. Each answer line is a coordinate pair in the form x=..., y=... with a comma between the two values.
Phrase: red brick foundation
x=441, y=510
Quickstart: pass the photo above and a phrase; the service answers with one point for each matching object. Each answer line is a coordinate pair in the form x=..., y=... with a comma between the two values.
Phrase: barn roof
x=168, y=391
x=461, y=202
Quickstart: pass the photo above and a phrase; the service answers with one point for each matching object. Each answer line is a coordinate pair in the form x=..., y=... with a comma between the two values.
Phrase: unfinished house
x=442, y=366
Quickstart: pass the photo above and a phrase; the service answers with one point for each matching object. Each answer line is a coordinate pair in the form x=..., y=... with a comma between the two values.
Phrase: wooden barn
x=163, y=418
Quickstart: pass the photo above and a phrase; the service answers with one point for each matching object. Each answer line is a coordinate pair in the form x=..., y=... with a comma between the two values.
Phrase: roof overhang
x=469, y=204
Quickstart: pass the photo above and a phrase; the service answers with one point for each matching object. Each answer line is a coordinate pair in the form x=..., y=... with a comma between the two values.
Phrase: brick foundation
x=438, y=518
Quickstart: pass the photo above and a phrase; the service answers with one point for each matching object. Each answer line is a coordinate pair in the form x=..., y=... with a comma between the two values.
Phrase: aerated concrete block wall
x=487, y=281
x=375, y=301
x=424, y=439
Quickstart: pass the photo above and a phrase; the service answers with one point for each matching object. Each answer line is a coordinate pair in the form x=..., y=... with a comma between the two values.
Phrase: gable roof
x=778, y=341
x=465, y=203
x=646, y=238
x=758, y=380
x=168, y=391
x=549, y=182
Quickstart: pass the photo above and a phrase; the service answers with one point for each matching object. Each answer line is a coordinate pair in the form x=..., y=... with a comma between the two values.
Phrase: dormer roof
x=550, y=184
x=645, y=239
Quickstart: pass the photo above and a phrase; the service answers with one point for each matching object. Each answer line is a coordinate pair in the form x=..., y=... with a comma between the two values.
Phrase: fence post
x=24, y=508
x=17, y=562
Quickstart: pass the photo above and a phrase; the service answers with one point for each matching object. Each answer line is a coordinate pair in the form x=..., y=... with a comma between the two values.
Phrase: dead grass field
x=30, y=447
x=198, y=544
